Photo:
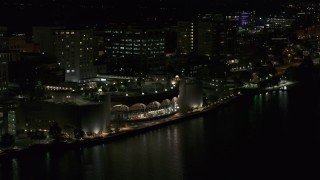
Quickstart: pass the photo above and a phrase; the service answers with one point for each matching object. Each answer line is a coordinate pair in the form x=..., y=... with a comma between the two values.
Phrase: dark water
x=269, y=136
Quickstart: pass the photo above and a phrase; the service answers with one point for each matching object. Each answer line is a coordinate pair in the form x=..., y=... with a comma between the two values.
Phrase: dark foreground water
x=269, y=136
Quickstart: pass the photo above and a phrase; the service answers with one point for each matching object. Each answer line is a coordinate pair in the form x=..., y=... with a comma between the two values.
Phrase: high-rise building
x=75, y=53
x=8, y=121
x=205, y=38
x=10, y=56
x=16, y=42
x=186, y=37
x=3, y=74
x=125, y=41
x=246, y=18
x=281, y=22
x=217, y=37
x=44, y=37
x=13, y=42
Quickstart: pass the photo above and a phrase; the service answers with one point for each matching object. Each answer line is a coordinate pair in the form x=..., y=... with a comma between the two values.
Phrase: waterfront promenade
x=127, y=131
x=133, y=128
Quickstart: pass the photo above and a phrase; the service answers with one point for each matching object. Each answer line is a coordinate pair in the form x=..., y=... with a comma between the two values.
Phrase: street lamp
x=126, y=92
x=155, y=89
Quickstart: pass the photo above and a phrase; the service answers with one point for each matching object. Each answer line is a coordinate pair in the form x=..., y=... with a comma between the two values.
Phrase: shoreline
x=154, y=124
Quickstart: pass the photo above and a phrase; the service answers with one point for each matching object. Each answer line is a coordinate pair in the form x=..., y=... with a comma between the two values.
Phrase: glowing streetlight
x=126, y=92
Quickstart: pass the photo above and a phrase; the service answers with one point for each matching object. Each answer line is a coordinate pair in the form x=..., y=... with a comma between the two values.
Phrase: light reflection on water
x=236, y=141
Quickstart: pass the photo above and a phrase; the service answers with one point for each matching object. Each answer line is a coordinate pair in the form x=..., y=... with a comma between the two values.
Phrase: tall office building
x=125, y=41
x=205, y=38
x=186, y=37
x=3, y=74
x=246, y=18
x=44, y=37
x=280, y=22
x=75, y=53
x=13, y=42
x=217, y=37
x=8, y=116
x=16, y=42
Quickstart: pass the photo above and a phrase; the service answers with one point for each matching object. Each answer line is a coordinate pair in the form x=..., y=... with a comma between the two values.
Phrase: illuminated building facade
x=17, y=42
x=124, y=41
x=205, y=39
x=75, y=53
x=3, y=73
x=8, y=121
x=217, y=37
x=278, y=23
x=44, y=36
x=140, y=111
x=186, y=37
x=246, y=18
x=190, y=95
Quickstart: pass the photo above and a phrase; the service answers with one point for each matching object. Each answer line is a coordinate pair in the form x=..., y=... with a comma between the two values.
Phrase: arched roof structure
x=174, y=100
x=137, y=107
x=153, y=105
x=120, y=108
x=165, y=102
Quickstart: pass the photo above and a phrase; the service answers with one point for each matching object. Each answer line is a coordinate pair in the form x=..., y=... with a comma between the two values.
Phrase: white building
x=190, y=95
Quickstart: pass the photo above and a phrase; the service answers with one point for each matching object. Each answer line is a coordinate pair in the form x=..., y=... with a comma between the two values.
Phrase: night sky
x=55, y=12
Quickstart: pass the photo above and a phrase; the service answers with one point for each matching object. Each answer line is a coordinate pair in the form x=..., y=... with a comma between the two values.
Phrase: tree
x=78, y=133
x=7, y=140
x=38, y=135
x=55, y=131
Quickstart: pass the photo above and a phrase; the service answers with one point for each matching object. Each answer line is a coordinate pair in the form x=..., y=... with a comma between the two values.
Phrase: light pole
x=126, y=92
x=155, y=88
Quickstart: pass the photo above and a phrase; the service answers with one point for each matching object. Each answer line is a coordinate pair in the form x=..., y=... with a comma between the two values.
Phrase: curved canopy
x=153, y=105
x=120, y=108
x=174, y=100
x=138, y=107
x=165, y=102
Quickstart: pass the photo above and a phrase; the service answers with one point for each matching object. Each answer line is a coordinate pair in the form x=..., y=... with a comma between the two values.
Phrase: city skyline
x=55, y=12
x=157, y=89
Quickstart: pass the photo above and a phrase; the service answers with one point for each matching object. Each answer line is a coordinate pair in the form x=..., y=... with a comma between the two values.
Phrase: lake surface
x=267, y=136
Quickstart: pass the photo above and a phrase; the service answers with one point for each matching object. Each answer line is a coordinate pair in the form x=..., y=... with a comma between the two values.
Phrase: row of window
x=136, y=52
